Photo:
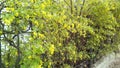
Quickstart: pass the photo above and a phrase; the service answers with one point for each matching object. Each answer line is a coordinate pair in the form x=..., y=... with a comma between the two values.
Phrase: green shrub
x=59, y=33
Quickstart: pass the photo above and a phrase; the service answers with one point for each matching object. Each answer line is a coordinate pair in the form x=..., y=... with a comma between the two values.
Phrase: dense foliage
x=57, y=33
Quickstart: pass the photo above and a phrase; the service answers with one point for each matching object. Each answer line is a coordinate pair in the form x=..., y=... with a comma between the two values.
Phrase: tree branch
x=17, y=65
x=71, y=5
x=66, y=3
x=82, y=8
x=11, y=43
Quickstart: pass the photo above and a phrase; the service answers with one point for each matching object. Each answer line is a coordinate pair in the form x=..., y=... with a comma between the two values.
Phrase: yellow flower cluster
x=16, y=13
x=64, y=17
x=36, y=23
x=10, y=9
x=51, y=49
x=49, y=16
x=34, y=34
x=8, y=21
x=27, y=16
x=42, y=5
x=40, y=64
x=32, y=1
x=30, y=57
x=72, y=25
x=39, y=35
x=44, y=13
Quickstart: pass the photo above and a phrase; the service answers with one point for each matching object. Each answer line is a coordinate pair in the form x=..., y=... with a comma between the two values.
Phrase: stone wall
x=108, y=61
x=105, y=61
